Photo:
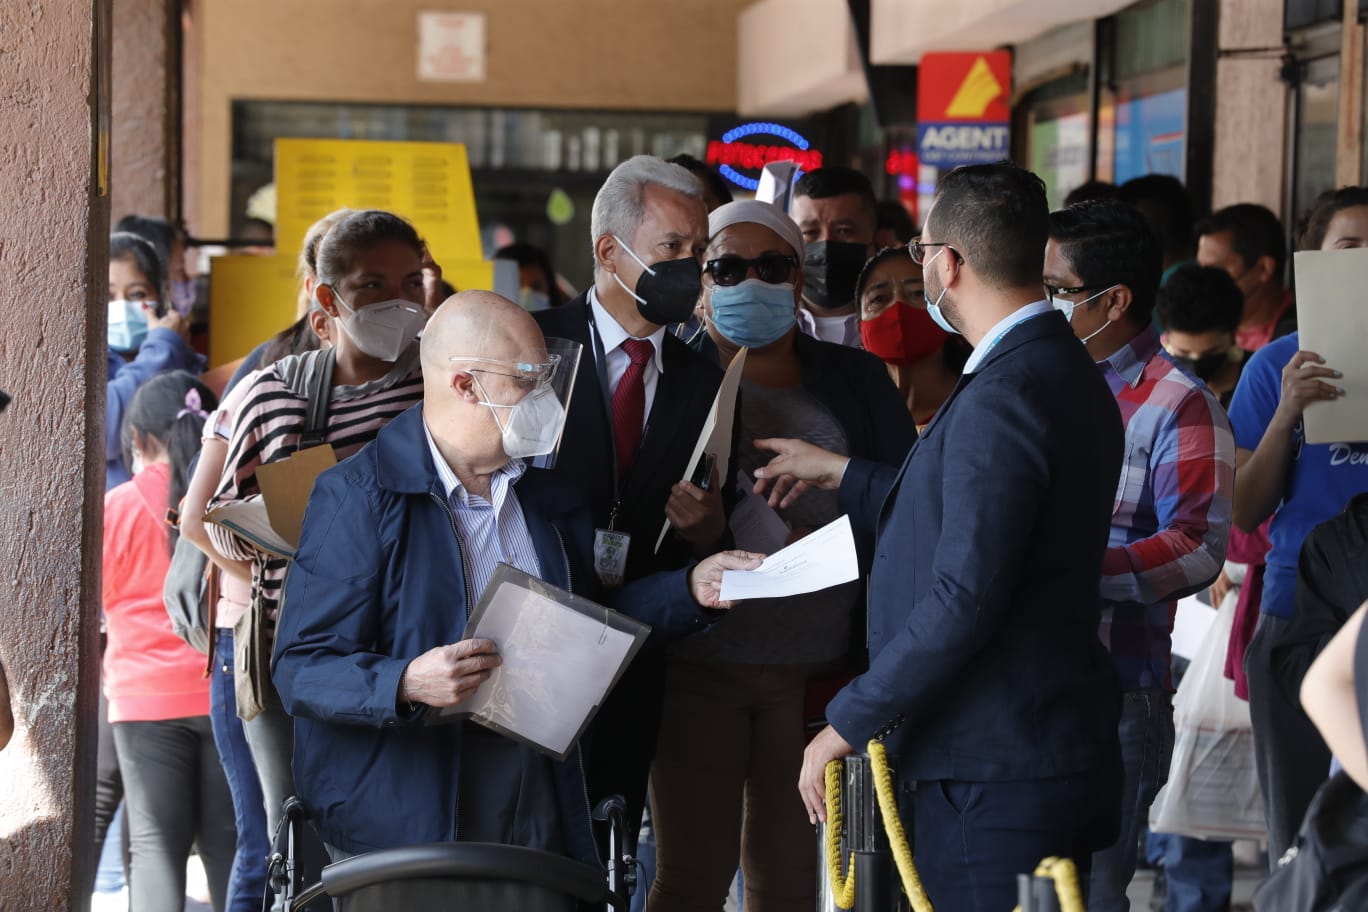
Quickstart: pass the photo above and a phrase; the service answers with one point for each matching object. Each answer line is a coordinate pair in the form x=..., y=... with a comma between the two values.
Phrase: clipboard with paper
x=272, y=522
x=562, y=654
x=715, y=442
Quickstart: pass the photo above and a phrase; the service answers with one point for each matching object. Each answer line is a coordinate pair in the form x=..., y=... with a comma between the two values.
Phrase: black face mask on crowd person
x=830, y=271
x=1205, y=367
x=666, y=292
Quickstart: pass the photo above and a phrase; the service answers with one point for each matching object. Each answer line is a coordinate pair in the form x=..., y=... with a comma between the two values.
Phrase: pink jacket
x=149, y=674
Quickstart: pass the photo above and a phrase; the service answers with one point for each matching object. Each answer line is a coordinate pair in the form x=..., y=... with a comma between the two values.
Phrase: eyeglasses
x=527, y=374
x=918, y=250
x=1054, y=291
x=770, y=268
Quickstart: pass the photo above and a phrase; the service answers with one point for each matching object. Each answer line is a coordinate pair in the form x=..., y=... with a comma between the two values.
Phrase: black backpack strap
x=320, y=398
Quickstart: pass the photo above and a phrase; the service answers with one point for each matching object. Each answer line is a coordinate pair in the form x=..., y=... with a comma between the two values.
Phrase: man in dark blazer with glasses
x=988, y=682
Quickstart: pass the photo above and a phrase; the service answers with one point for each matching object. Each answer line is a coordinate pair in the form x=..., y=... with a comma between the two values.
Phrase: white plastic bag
x=1213, y=786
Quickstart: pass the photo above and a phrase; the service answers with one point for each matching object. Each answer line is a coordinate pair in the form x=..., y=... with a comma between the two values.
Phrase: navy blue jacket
x=376, y=582
x=162, y=350
x=985, y=661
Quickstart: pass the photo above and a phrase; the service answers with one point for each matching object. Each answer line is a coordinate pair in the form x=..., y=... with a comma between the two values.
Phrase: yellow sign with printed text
x=427, y=183
x=254, y=298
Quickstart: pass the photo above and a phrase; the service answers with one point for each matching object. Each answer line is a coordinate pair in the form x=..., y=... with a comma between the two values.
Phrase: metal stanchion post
x=877, y=888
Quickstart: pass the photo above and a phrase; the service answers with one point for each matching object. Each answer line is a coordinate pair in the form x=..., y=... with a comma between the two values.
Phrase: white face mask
x=1067, y=308
x=534, y=423
x=383, y=330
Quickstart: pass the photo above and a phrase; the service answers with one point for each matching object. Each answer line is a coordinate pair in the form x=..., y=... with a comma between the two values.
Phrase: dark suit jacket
x=985, y=661
x=684, y=393
x=623, y=735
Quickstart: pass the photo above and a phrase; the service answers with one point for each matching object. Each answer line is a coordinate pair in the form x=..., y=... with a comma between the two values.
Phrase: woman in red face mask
x=923, y=359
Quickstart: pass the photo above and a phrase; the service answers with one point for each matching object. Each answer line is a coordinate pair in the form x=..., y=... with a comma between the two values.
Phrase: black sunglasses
x=770, y=268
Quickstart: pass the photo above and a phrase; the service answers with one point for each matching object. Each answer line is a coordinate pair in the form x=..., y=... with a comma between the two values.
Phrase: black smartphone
x=702, y=476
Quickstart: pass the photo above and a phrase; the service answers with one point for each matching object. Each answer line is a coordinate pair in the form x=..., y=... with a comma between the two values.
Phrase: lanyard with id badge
x=610, y=546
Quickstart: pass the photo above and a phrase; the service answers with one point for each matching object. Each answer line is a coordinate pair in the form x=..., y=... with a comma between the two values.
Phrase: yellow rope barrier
x=1061, y=870
x=842, y=885
x=897, y=836
x=1064, y=873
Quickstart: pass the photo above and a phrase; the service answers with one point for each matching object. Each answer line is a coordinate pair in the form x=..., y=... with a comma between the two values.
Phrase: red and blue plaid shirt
x=1172, y=512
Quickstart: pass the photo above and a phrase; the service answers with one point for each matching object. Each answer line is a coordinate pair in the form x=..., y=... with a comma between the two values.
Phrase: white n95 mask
x=533, y=424
x=383, y=330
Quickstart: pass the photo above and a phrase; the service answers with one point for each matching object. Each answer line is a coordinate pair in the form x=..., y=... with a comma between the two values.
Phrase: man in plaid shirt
x=1172, y=512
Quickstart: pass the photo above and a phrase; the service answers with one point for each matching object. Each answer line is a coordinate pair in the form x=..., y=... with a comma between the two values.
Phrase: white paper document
x=558, y=663
x=1332, y=322
x=818, y=561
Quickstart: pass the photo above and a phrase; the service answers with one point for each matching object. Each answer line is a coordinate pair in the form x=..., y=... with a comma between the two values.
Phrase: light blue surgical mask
x=533, y=300
x=933, y=307
x=127, y=326
x=753, y=313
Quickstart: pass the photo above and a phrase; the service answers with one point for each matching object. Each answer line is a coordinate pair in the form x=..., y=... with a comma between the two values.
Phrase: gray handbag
x=186, y=594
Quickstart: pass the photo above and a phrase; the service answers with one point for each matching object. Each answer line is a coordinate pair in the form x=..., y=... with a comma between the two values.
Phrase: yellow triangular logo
x=979, y=89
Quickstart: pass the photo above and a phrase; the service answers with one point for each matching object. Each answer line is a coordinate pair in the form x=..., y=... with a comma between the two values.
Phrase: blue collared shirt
x=492, y=531
x=1005, y=325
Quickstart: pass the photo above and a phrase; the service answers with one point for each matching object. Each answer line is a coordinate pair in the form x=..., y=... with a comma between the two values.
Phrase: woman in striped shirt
x=371, y=286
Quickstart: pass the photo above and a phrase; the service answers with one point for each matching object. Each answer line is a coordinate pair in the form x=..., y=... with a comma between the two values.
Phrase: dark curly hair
x=1316, y=222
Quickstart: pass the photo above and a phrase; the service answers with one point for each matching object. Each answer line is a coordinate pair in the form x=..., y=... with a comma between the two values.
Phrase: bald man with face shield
x=398, y=543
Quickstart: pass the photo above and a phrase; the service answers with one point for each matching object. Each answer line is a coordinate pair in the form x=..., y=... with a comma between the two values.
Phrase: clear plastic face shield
x=531, y=397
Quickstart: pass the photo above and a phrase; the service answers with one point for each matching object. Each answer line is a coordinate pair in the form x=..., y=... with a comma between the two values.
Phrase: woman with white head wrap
x=732, y=733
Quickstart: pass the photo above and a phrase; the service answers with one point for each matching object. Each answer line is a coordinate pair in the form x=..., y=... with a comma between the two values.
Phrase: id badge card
x=610, y=556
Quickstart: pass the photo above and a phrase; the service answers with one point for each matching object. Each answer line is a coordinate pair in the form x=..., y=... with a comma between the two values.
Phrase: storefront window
x=1145, y=127
x=518, y=158
x=1317, y=113
x=1302, y=13
x=1056, y=135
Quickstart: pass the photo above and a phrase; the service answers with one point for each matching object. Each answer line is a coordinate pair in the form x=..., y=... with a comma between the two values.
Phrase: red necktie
x=629, y=403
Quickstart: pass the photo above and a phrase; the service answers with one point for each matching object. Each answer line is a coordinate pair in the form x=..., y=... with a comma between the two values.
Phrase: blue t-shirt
x=1322, y=479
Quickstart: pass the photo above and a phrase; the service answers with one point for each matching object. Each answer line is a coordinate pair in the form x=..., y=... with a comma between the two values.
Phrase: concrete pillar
x=1251, y=106
x=145, y=98
x=53, y=229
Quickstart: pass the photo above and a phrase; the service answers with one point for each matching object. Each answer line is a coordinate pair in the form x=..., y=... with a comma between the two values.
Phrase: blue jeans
x=247, y=883
x=1146, y=733
x=1199, y=873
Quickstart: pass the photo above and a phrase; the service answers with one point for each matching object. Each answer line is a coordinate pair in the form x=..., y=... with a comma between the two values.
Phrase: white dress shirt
x=612, y=335
x=492, y=531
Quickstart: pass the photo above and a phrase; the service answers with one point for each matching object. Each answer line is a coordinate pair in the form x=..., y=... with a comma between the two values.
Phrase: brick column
x=53, y=229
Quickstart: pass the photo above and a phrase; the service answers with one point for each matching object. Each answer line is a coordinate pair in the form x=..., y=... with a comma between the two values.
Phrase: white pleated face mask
x=533, y=424
x=383, y=330
x=1067, y=308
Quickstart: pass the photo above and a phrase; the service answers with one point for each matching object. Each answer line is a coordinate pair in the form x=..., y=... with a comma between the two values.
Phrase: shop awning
x=795, y=57
x=903, y=30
